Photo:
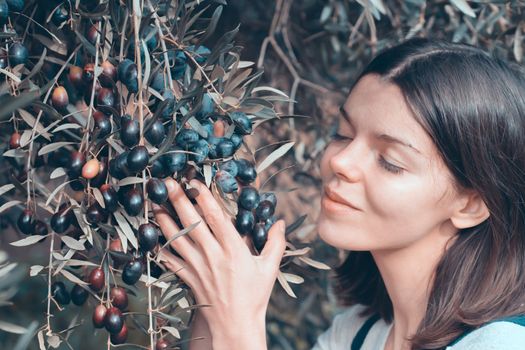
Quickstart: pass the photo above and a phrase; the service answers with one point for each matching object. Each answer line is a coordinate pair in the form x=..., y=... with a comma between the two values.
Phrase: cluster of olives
x=112, y=162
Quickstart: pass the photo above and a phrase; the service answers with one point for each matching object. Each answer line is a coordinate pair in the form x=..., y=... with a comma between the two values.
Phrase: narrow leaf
x=278, y=153
x=28, y=241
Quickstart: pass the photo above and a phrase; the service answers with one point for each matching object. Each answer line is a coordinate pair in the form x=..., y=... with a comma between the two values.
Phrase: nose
x=348, y=162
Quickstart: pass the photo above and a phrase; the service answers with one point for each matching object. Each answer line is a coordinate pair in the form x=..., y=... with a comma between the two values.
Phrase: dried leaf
x=173, y=331
x=278, y=153
x=73, y=278
x=55, y=191
x=28, y=241
x=126, y=229
x=130, y=180
x=73, y=243
x=6, y=188
x=314, y=263
x=518, y=44
x=12, y=328
x=290, y=277
x=464, y=7
x=285, y=285
x=58, y=172
x=54, y=341
x=67, y=126
x=35, y=270
x=207, y=174
x=53, y=147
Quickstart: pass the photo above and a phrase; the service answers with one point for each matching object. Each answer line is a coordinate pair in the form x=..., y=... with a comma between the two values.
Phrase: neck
x=408, y=275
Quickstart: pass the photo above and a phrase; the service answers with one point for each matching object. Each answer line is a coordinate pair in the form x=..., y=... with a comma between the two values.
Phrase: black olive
x=174, y=160
x=132, y=271
x=129, y=131
x=259, y=236
x=4, y=12
x=264, y=210
x=79, y=295
x=226, y=182
x=59, y=293
x=134, y=202
x=244, y=221
x=61, y=220
x=96, y=214
x=248, y=198
x=243, y=124
x=110, y=197
x=18, y=54
x=26, y=222
x=148, y=237
x=76, y=162
x=225, y=148
x=157, y=191
x=247, y=172
x=200, y=150
x=138, y=159
x=156, y=134
x=185, y=137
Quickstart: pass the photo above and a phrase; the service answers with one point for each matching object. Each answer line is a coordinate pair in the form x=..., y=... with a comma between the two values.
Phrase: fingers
x=274, y=248
x=188, y=215
x=219, y=222
x=183, y=244
x=178, y=266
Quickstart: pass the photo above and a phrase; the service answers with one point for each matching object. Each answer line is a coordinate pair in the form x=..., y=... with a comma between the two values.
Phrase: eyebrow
x=384, y=137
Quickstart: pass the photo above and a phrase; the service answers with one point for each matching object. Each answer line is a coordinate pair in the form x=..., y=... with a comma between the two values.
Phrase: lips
x=334, y=196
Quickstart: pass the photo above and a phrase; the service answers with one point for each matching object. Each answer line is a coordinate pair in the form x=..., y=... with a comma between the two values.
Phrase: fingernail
x=195, y=183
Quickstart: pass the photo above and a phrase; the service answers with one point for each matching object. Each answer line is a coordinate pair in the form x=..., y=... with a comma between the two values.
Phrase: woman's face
x=385, y=165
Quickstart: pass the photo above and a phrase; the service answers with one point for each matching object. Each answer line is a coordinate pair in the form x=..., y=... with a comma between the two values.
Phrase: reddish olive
x=105, y=98
x=110, y=197
x=92, y=33
x=109, y=71
x=60, y=98
x=91, y=168
x=18, y=54
x=75, y=76
x=96, y=214
x=132, y=271
x=14, y=140
x=121, y=336
x=97, y=279
x=99, y=316
x=113, y=320
x=156, y=133
x=157, y=191
x=100, y=179
x=59, y=293
x=79, y=295
x=102, y=124
x=129, y=131
x=148, y=237
x=61, y=220
x=134, y=202
x=76, y=163
x=138, y=159
x=119, y=297
x=162, y=344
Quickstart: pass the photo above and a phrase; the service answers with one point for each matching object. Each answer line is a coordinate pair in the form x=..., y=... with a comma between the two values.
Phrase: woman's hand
x=220, y=269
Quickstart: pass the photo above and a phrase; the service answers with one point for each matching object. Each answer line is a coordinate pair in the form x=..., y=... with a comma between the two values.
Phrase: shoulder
x=501, y=335
x=344, y=327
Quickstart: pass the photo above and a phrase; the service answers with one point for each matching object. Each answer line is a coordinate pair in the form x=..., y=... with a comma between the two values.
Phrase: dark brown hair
x=472, y=105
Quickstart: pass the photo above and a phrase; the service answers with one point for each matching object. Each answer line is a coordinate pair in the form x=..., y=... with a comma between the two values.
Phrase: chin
x=341, y=236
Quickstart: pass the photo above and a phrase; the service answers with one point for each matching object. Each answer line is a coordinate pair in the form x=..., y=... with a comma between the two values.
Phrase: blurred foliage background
x=312, y=50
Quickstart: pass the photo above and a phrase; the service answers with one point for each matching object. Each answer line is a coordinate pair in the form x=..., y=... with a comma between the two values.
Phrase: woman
x=424, y=183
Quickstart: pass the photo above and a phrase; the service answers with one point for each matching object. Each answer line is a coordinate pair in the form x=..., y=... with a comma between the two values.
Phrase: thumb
x=274, y=248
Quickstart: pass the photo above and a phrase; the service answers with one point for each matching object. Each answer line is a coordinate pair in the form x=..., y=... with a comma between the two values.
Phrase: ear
x=471, y=211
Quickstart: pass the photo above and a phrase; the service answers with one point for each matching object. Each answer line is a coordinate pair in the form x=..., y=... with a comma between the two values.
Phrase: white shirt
x=494, y=336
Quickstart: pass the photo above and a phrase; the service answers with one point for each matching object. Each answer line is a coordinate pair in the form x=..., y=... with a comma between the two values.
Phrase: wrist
x=247, y=334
